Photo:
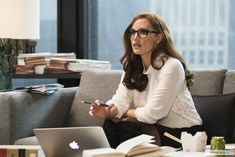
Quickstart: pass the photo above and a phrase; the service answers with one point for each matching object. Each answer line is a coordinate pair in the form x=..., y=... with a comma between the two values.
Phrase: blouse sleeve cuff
x=120, y=111
x=137, y=114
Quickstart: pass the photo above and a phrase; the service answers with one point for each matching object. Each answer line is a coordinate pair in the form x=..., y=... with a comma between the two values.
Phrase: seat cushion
x=27, y=141
x=99, y=84
x=217, y=112
x=208, y=82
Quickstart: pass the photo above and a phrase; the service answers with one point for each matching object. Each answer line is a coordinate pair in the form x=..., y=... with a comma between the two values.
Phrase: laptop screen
x=70, y=141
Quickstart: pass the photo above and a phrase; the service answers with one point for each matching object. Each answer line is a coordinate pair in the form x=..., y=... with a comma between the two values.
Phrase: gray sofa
x=21, y=112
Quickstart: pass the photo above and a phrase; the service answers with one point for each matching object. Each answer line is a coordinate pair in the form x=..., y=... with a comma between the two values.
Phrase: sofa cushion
x=208, y=82
x=94, y=85
x=229, y=82
x=217, y=112
x=32, y=140
x=29, y=111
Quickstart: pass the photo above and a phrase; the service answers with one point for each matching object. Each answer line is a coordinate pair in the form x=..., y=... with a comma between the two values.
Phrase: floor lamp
x=19, y=19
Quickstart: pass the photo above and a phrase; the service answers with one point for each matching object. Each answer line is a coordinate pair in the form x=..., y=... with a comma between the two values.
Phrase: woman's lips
x=136, y=45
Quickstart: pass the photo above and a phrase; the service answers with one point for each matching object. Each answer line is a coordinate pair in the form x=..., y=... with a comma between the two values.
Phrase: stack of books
x=80, y=65
x=25, y=58
x=30, y=63
x=21, y=151
x=53, y=63
x=58, y=65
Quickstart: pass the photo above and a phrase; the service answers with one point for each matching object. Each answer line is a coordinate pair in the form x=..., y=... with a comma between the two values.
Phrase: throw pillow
x=216, y=112
x=94, y=84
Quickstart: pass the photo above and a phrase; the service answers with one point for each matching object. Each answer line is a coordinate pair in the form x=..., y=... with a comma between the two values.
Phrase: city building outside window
x=201, y=29
x=48, y=27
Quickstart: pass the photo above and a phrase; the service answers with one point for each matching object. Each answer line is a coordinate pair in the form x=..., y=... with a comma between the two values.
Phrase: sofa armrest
x=21, y=112
x=4, y=118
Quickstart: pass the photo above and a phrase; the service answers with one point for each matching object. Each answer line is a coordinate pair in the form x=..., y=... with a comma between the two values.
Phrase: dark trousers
x=121, y=131
x=124, y=130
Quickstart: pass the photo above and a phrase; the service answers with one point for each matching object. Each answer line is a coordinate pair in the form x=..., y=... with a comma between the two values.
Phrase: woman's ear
x=159, y=38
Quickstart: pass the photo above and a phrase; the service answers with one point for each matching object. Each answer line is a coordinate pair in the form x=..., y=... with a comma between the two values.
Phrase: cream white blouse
x=166, y=100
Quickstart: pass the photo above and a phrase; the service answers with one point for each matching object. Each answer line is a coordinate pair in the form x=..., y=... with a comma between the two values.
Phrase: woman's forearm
x=130, y=113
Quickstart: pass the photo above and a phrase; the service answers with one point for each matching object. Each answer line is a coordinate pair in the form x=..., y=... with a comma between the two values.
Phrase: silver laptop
x=70, y=141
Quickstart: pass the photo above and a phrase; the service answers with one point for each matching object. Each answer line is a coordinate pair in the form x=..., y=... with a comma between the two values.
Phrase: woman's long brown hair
x=132, y=64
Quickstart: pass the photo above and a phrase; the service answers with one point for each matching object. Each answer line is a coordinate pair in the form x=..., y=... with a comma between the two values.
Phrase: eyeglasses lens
x=140, y=33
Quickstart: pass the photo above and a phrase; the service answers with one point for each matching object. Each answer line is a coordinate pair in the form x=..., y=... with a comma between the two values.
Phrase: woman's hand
x=100, y=111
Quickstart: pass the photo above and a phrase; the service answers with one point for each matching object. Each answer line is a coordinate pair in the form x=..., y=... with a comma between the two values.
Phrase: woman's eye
x=132, y=32
x=144, y=32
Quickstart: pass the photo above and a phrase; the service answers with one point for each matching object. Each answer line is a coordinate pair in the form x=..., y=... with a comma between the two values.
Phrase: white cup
x=39, y=69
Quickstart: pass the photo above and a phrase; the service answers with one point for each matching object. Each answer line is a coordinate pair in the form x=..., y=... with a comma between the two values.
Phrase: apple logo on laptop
x=74, y=145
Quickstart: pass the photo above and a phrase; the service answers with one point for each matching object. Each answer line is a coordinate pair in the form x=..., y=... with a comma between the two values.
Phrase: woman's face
x=143, y=42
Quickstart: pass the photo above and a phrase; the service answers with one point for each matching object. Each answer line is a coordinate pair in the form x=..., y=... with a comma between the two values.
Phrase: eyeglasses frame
x=132, y=32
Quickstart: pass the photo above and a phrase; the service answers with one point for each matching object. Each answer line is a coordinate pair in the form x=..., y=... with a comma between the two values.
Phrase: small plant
x=7, y=61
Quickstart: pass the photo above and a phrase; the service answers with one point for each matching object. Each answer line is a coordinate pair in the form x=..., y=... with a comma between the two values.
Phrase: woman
x=155, y=79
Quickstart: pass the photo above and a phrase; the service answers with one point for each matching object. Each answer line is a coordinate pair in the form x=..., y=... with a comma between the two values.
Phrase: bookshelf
x=68, y=79
x=48, y=76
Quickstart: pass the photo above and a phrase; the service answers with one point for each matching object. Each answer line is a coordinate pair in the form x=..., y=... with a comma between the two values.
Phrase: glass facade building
x=202, y=30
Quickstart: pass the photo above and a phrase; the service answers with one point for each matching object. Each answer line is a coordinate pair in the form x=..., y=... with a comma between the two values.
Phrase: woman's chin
x=137, y=52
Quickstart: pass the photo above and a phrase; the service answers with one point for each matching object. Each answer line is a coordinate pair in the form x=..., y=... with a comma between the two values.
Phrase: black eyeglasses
x=142, y=33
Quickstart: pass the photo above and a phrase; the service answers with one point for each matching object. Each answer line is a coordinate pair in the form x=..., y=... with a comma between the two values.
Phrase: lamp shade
x=20, y=19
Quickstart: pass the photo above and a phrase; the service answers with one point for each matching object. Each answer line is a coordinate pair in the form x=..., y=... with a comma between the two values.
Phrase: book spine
x=12, y=153
x=3, y=152
x=21, y=152
x=32, y=153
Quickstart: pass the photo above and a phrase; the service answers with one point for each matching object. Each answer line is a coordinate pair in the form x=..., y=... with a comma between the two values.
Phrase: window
x=47, y=41
x=199, y=26
x=192, y=39
x=211, y=57
x=48, y=27
x=184, y=39
x=220, y=58
x=221, y=38
x=211, y=39
x=192, y=57
x=201, y=60
x=201, y=38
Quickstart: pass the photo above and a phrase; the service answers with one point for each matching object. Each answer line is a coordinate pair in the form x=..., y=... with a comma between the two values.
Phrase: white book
x=84, y=64
x=139, y=146
x=47, y=55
